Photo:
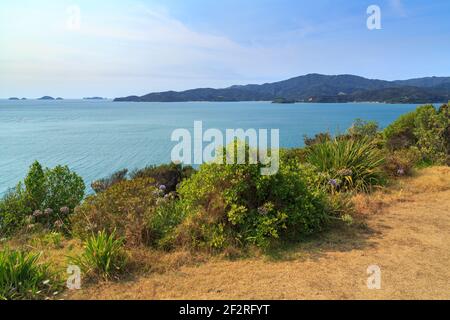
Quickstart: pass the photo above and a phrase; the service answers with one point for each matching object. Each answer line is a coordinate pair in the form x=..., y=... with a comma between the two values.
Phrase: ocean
x=97, y=137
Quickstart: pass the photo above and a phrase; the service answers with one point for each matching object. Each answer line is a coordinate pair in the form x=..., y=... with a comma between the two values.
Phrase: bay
x=97, y=137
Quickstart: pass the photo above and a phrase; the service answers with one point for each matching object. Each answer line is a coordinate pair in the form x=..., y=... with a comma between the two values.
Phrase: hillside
x=317, y=88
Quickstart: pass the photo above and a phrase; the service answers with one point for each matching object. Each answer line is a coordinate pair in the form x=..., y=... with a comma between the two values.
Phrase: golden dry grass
x=405, y=232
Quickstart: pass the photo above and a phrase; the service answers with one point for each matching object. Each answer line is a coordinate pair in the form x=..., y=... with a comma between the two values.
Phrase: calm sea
x=96, y=138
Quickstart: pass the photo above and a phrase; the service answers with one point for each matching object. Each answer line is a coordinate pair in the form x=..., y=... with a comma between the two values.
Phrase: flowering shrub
x=124, y=207
x=236, y=205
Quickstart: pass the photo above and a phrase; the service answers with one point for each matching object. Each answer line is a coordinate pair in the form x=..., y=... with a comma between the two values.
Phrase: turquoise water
x=95, y=138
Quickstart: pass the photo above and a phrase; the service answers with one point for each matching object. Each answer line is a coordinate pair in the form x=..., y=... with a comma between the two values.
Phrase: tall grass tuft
x=348, y=164
x=103, y=256
x=22, y=277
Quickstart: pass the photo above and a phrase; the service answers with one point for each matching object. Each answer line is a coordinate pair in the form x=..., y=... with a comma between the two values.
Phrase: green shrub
x=424, y=128
x=13, y=211
x=35, y=186
x=362, y=128
x=234, y=205
x=48, y=198
x=22, y=277
x=63, y=189
x=167, y=175
x=125, y=207
x=105, y=183
x=103, y=256
x=348, y=164
x=167, y=216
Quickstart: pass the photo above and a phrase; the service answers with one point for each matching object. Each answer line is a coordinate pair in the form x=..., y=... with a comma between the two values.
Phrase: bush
x=125, y=207
x=362, y=129
x=348, y=164
x=425, y=128
x=13, y=211
x=105, y=183
x=234, y=205
x=21, y=277
x=35, y=186
x=402, y=162
x=48, y=198
x=167, y=175
x=168, y=215
x=63, y=189
x=103, y=256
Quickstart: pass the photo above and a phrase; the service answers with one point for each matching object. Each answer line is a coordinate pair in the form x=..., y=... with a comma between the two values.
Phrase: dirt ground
x=406, y=232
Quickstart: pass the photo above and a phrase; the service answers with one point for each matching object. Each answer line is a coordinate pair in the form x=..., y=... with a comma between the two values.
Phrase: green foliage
x=167, y=216
x=105, y=183
x=168, y=175
x=362, y=128
x=125, y=207
x=234, y=205
x=50, y=195
x=103, y=256
x=22, y=277
x=63, y=188
x=424, y=128
x=13, y=211
x=348, y=164
x=35, y=187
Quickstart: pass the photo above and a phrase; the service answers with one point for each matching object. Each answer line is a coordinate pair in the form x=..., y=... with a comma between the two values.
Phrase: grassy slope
x=403, y=229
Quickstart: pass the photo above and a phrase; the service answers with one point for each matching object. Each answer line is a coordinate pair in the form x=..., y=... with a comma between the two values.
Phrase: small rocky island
x=13, y=98
x=283, y=100
x=94, y=98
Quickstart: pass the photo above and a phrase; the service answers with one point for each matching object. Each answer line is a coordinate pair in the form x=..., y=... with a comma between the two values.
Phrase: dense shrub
x=168, y=175
x=22, y=277
x=234, y=205
x=348, y=164
x=363, y=129
x=125, y=207
x=64, y=189
x=35, y=186
x=49, y=196
x=425, y=128
x=13, y=211
x=167, y=216
x=103, y=256
x=105, y=183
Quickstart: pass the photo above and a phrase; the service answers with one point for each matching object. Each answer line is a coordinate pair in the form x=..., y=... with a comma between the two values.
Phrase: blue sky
x=134, y=47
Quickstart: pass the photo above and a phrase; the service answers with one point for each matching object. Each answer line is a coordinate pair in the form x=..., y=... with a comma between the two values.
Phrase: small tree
x=64, y=188
x=35, y=186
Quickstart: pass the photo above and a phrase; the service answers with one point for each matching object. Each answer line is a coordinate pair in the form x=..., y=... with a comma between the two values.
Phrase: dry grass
x=406, y=234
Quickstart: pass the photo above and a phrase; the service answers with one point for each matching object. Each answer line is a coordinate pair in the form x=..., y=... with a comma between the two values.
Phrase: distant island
x=59, y=98
x=13, y=98
x=46, y=98
x=316, y=88
x=283, y=100
x=94, y=98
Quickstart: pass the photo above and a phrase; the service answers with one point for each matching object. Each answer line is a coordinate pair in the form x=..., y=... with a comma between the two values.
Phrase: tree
x=35, y=186
x=64, y=188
